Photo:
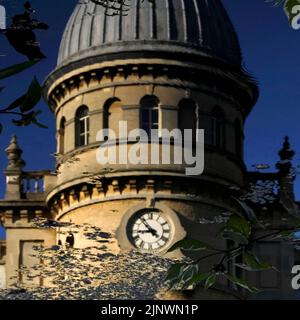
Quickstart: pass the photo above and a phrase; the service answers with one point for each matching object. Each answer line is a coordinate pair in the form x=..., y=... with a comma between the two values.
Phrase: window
x=112, y=115
x=82, y=126
x=219, y=127
x=187, y=115
x=208, y=123
x=62, y=135
x=213, y=126
x=149, y=113
x=238, y=138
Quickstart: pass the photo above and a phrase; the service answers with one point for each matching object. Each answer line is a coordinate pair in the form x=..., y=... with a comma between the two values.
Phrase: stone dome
x=197, y=27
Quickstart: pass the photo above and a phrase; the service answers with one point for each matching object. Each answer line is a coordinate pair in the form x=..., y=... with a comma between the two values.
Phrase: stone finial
x=14, y=155
x=286, y=178
x=286, y=153
x=286, y=156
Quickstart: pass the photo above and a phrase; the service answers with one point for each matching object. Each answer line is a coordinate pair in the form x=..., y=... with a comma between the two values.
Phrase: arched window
x=187, y=116
x=61, y=132
x=82, y=126
x=238, y=138
x=112, y=114
x=207, y=122
x=149, y=113
x=213, y=126
x=218, y=138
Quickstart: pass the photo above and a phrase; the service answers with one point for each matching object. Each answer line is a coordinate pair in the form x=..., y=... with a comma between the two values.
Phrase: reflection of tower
x=176, y=64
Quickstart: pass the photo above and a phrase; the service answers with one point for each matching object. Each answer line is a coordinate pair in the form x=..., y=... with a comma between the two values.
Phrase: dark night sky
x=271, y=53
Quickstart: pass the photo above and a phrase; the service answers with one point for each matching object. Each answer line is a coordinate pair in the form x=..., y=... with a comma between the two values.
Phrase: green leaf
x=174, y=272
x=241, y=283
x=210, y=281
x=250, y=214
x=285, y=235
x=235, y=236
x=182, y=275
x=239, y=225
x=237, y=229
x=288, y=6
x=189, y=271
x=198, y=278
x=189, y=245
x=253, y=263
x=33, y=96
x=16, y=68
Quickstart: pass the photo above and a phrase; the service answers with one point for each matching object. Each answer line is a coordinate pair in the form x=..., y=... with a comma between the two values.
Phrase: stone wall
x=2, y=277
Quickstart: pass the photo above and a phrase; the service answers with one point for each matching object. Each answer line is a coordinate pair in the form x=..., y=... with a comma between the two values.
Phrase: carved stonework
x=14, y=155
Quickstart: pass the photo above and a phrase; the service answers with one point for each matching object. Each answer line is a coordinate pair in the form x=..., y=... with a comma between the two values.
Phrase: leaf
x=181, y=275
x=288, y=6
x=18, y=123
x=210, y=281
x=174, y=272
x=40, y=125
x=250, y=214
x=15, y=104
x=237, y=229
x=26, y=119
x=33, y=96
x=1, y=128
x=189, y=245
x=188, y=273
x=235, y=236
x=286, y=234
x=253, y=263
x=241, y=283
x=16, y=68
x=198, y=278
x=55, y=248
x=239, y=225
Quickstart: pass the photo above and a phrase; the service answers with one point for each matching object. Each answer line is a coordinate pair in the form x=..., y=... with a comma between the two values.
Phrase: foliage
x=121, y=7
x=241, y=229
x=288, y=6
x=116, y=7
x=21, y=36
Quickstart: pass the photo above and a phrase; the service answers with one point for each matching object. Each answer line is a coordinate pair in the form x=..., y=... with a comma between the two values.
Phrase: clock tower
x=164, y=65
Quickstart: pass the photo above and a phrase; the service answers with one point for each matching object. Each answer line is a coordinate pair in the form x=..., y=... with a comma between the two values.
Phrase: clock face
x=149, y=231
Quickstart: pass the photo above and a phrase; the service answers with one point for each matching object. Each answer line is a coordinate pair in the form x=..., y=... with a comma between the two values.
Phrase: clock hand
x=146, y=231
x=146, y=224
x=153, y=231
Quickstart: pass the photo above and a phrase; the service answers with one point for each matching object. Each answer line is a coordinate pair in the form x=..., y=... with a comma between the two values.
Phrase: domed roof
x=200, y=27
